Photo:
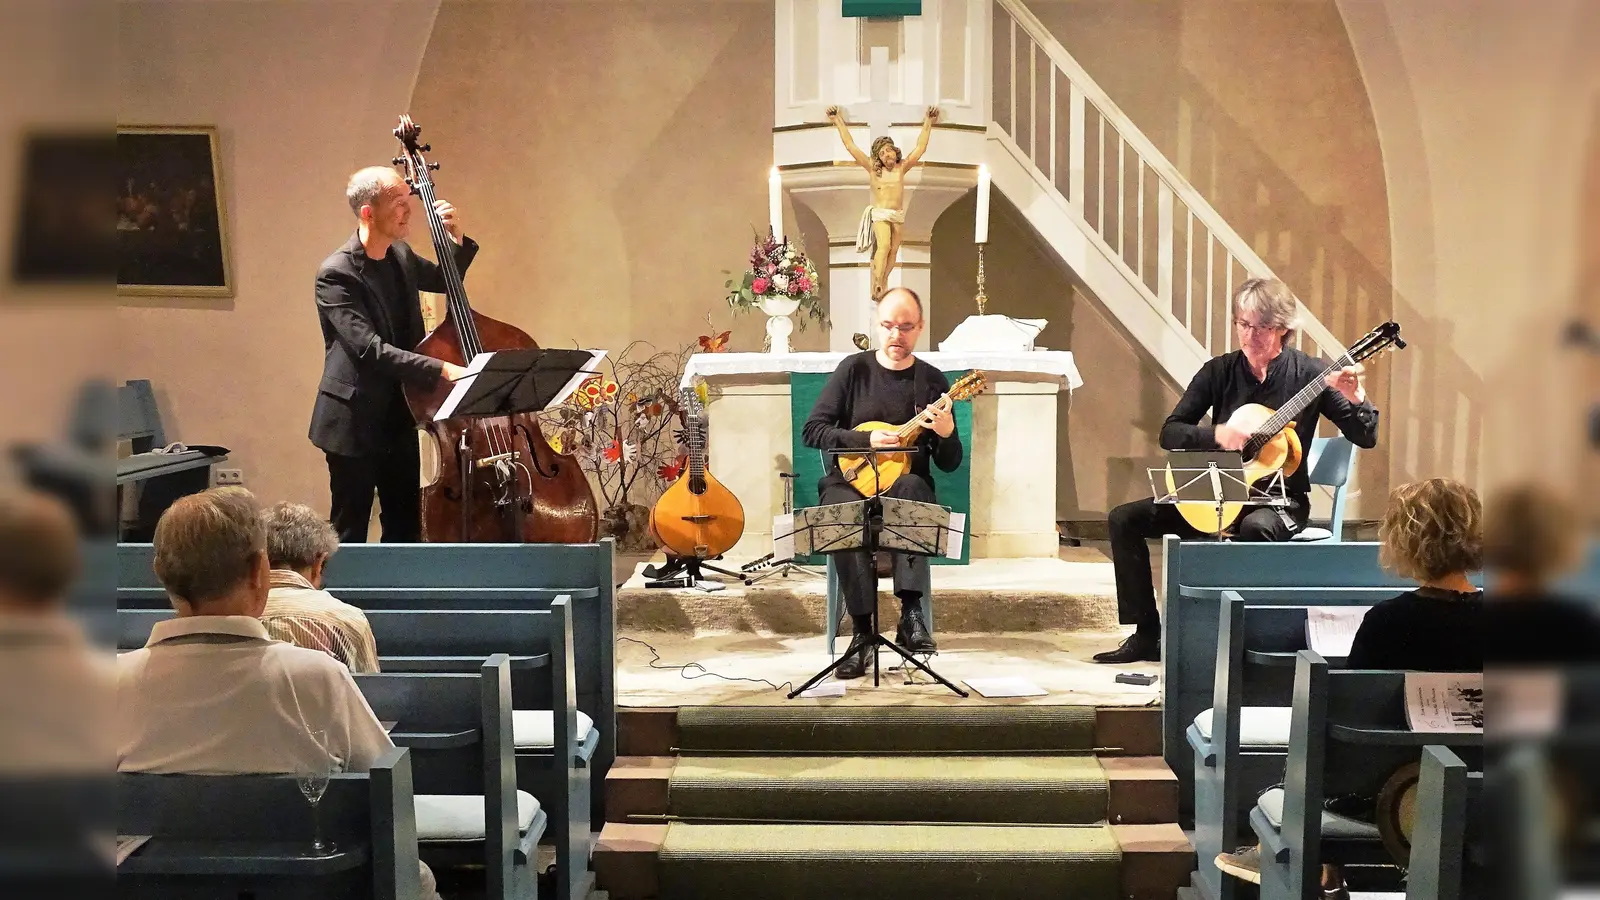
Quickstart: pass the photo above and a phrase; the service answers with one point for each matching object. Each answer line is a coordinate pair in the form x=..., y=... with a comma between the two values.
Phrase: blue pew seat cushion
x=452, y=817
x=1333, y=824
x=535, y=729
x=1259, y=726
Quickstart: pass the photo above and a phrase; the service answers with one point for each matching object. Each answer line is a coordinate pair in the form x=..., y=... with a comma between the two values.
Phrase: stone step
x=1141, y=789
x=634, y=861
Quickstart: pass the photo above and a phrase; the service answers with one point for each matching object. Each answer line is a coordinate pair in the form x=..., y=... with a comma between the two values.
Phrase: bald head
x=900, y=299
x=367, y=185
x=38, y=550
x=899, y=315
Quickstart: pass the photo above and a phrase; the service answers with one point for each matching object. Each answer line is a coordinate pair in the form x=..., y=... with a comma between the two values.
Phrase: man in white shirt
x=212, y=692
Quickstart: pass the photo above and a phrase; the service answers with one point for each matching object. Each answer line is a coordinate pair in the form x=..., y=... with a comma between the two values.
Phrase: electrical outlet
x=229, y=476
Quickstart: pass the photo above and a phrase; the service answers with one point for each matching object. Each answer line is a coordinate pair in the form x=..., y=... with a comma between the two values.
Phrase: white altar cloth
x=1036, y=362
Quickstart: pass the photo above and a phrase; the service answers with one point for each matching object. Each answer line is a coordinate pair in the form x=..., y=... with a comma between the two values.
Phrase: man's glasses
x=1242, y=325
x=902, y=328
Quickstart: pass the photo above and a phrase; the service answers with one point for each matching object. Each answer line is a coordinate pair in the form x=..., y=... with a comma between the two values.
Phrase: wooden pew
x=468, y=809
x=1348, y=735
x=1239, y=744
x=250, y=835
x=538, y=644
x=1448, y=797
x=468, y=576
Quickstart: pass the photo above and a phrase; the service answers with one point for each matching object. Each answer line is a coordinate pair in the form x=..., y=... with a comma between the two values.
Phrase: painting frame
x=200, y=269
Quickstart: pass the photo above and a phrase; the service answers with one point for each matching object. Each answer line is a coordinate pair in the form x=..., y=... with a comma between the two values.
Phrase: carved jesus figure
x=879, y=233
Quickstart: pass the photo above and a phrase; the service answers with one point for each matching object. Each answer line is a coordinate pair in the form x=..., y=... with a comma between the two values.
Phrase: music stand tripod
x=872, y=527
x=781, y=566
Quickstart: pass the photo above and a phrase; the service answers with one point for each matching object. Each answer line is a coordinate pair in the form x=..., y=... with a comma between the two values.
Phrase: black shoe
x=1137, y=648
x=855, y=658
x=913, y=632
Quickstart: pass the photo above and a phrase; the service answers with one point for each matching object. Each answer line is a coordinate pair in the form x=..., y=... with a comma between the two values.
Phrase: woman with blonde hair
x=1432, y=533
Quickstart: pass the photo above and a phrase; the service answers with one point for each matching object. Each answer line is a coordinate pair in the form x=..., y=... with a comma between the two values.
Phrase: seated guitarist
x=1263, y=370
x=887, y=385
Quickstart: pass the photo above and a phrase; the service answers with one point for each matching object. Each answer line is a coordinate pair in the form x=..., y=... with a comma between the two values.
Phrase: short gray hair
x=365, y=186
x=206, y=543
x=296, y=536
x=1271, y=300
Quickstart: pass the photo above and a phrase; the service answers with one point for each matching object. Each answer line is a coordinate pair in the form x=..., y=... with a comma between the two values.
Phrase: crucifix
x=878, y=233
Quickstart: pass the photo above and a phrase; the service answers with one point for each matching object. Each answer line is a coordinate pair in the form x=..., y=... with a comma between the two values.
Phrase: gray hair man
x=299, y=544
x=1264, y=370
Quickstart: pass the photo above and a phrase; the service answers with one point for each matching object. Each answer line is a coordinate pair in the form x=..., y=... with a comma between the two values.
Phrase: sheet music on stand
x=1214, y=478
x=909, y=525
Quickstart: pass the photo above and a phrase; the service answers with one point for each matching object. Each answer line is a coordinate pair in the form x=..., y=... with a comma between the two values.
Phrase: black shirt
x=862, y=390
x=387, y=278
x=1226, y=383
x=1541, y=630
x=1425, y=630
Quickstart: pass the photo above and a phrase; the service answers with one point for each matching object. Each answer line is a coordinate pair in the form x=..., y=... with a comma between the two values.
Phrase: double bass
x=498, y=479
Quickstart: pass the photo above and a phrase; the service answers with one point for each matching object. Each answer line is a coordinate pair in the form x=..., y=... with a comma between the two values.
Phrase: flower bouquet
x=780, y=280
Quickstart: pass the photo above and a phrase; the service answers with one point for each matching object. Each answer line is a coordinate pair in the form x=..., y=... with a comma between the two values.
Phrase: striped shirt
x=307, y=617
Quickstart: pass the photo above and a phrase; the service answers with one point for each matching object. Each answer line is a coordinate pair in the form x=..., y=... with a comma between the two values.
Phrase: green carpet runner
x=886, y=729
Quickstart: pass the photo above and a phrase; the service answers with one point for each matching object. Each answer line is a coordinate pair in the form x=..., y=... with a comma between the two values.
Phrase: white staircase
x=1142, y=238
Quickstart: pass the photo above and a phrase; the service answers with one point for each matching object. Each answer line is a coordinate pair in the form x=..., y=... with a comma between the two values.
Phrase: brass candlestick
x=983, y=299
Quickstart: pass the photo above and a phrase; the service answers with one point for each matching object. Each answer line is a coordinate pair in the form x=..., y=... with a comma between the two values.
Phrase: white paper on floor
x=826, y=689
x=1006, y=687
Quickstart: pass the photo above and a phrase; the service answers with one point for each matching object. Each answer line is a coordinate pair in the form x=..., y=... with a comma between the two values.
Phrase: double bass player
x=371, y=315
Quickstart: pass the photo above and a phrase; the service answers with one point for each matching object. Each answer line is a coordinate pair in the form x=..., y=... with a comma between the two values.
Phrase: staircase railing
x=1181, y=253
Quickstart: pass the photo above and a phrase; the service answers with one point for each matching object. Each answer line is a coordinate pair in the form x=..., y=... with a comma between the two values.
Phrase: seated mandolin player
x=887, y=385
x=1265, y=371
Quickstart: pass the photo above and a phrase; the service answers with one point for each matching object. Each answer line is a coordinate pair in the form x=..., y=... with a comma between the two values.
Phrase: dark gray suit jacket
x=366, y=357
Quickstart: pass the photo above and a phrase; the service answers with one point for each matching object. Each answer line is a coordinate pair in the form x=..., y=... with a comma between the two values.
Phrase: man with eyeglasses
x=1263, y=370
x=885, y=385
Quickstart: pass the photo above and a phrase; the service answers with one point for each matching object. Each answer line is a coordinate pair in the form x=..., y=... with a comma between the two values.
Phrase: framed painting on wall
x=172, y=237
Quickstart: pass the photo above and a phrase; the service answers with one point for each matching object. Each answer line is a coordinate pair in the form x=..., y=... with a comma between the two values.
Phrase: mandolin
x=1273, y=446
x=696, y=516
x=858, y=470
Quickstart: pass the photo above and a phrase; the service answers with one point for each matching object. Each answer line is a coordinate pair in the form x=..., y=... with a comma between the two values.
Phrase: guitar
x=696, y=516
x=857, y=469
x=1273, y=445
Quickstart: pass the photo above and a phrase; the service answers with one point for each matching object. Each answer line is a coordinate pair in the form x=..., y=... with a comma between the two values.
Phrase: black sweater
x=861, y=390
x=1425, y=630
x=1226, y=383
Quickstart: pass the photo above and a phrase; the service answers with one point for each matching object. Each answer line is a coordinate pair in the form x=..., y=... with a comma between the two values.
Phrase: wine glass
x=313, y=775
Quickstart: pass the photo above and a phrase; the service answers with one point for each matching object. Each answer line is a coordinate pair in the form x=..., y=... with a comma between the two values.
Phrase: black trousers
x=395, y=476
x=858, y=576
x=1133, y=524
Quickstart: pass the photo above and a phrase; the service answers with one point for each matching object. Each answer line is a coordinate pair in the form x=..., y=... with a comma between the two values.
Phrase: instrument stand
x=873, y=526
x=780, y=567
x=691, y=566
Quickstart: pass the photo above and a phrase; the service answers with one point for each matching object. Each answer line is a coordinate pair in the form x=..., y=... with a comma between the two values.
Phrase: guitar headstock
x=970, y=385
x=1384, y=337
x=411, y=162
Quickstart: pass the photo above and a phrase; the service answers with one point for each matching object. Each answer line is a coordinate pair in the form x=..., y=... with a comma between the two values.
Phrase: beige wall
x=302, y=93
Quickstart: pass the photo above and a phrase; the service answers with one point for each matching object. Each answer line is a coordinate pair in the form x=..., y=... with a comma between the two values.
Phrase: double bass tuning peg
x=426, y=148
x=433, y=166
x=398, y=161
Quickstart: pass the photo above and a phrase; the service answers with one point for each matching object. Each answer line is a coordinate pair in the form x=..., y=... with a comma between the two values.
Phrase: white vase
x=779, y=325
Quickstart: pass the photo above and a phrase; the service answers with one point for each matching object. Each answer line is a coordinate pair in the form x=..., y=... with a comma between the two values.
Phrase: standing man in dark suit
x=370, y=314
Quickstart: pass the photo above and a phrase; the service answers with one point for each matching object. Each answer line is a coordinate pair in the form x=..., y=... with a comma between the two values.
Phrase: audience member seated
x=299, y=543
x=1532, y=536
x=1432, y=533
x=212, y=692
x=55, y=687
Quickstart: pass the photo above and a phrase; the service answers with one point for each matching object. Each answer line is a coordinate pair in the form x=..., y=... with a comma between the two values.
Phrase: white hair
x=365, y=186
x=1271, y=301
x=296, y=536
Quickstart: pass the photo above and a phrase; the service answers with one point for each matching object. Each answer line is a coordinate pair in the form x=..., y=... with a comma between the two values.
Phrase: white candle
x=981, y=233
x=775, y=203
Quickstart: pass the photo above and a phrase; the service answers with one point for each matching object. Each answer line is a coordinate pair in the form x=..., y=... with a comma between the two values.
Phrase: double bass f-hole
x=555, y=467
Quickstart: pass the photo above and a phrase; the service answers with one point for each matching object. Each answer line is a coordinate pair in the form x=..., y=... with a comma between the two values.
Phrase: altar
x=1013, y=492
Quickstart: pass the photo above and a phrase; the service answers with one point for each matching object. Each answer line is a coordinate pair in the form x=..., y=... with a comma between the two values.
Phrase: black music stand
x=507, y=382
x=872, y=526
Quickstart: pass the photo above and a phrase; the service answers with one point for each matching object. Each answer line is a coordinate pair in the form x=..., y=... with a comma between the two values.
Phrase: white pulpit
x=1012, y=446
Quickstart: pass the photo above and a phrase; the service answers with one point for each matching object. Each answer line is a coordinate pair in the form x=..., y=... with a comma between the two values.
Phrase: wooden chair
x=1348, y=735
x=217, y=836
x=1239, y=744
x=469, y=812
